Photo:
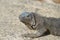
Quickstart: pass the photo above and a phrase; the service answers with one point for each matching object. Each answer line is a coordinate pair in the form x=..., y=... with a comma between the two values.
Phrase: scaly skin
x=40, y=24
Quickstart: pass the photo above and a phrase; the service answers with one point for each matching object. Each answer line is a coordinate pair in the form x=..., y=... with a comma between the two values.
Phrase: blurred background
x=10, y=26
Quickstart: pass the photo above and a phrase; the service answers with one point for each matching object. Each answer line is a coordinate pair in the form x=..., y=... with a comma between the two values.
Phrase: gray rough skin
x=40, y=24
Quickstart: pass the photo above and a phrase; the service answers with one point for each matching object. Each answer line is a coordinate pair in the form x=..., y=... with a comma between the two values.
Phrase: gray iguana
x=40, y=24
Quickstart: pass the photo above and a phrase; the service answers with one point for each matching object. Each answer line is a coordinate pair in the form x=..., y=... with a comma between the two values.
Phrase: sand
x=10, y=26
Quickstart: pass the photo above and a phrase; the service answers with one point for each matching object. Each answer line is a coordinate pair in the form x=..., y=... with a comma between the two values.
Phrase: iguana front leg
x=35, y=34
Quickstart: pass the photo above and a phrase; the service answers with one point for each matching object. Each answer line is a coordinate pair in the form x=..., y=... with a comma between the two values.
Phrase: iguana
x=40, y=24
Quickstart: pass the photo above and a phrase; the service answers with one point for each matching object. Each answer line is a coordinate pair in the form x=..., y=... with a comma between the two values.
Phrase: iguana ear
x=33, y=22
x=33, y=19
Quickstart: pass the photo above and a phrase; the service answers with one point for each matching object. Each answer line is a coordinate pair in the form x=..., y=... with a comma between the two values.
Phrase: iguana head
x=28, y=19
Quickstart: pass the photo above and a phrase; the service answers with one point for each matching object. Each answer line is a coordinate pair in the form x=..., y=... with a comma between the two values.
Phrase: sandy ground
x=10, y=26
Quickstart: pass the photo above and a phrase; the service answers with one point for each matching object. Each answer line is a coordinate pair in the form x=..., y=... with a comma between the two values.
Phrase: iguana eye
x=28, y=16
